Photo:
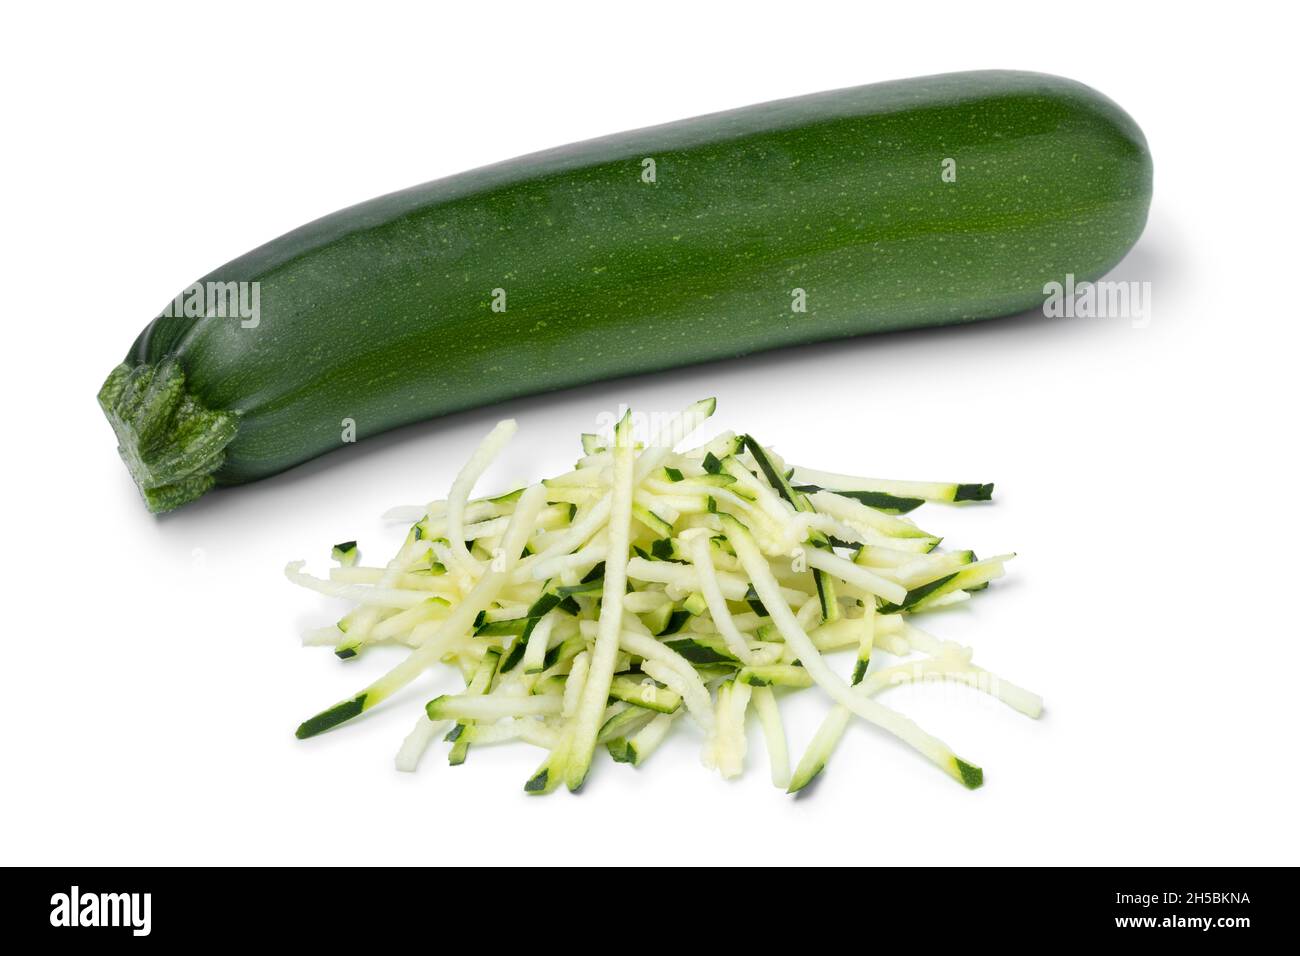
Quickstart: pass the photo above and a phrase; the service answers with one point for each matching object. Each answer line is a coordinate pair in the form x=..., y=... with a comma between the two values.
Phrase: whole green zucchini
x=912, y=203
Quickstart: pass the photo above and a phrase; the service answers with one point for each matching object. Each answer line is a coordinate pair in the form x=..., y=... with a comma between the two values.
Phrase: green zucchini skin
x=382, y=313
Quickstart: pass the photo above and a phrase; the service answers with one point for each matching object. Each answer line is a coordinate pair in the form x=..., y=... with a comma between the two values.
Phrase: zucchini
x=881, y=501
x=802, y=220
x=866, y=643
x=586, y=722
x=657, y=621
x=647, y=694
x=825, y=586
x=470, y=707
x=346, y=554
x=972, y=576
x=625, y=722
x=780, y=675
x=897, y=496
x=695, y=604
x=479, y=684
x=639, y=746
x=703, y=649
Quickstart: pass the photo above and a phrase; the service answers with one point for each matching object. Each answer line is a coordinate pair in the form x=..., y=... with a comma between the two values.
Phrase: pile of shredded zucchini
x=599, y=608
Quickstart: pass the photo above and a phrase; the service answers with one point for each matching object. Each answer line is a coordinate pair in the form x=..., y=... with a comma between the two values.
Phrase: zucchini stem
x=172, y=445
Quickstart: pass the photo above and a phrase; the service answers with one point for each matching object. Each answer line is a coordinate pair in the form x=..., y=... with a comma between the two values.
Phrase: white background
x=152, y=671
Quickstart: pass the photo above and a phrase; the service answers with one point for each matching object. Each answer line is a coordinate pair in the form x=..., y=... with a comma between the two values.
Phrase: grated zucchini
x=594, y=608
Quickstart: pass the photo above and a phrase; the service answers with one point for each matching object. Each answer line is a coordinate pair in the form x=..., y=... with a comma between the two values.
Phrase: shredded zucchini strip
x=778, y=753
x=458, y=497
x=535, y=650
x=846, y=570
x=417, y=742
x=925, y=490
x=596, y=691
x=702, y=556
